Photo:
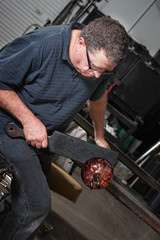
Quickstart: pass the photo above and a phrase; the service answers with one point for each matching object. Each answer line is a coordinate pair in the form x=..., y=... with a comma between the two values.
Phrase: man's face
x=92, y=64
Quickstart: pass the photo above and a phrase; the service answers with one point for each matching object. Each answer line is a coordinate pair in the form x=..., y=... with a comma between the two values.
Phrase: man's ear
x=81, y=42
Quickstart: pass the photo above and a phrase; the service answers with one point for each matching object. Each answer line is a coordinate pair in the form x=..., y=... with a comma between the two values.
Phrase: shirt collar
x=65, y=54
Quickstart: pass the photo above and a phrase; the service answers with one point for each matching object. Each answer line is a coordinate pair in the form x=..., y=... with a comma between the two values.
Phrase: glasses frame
x=95, y=70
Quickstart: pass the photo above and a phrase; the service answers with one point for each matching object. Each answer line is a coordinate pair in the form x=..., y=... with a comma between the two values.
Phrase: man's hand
x=36, y=134
x=102, y=143
x=34, y=130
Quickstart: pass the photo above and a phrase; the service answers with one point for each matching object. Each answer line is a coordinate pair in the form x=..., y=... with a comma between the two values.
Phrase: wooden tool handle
x=14, y=131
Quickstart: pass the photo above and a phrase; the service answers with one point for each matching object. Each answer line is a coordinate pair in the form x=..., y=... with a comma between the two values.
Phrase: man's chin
x=85, y=73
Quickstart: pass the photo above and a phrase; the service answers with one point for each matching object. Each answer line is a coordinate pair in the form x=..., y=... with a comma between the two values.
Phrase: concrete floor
x=97, y=215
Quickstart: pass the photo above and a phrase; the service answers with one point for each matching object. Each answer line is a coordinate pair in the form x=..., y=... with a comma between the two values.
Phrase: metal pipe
x=75, y=19
x=153, y=148
x=61, y=17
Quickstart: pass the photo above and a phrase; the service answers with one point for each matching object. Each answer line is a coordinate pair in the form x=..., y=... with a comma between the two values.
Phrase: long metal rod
x=153, y=148
x=63, y=14
x=122, y=157
x=76, y=18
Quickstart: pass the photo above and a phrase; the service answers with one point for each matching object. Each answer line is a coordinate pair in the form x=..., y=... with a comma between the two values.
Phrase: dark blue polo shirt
x=37, y=67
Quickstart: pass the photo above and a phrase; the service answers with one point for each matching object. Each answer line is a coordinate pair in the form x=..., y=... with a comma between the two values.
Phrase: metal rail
x=134, y=204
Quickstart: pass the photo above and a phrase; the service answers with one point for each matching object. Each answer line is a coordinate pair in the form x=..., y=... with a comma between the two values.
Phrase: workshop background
x=139, y=17
x=132, y=120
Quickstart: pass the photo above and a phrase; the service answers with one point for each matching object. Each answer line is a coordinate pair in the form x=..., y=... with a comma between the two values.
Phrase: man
x=46, y=77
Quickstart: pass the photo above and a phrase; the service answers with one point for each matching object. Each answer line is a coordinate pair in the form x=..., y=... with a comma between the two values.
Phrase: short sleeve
x=100, y=90
x=15, y=61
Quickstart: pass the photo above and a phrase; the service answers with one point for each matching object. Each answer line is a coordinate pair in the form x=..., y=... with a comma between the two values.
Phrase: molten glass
x=97, y=173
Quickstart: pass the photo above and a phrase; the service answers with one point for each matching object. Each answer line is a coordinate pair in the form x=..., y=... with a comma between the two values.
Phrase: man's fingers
x=45, y=143
x=36, y=134
x=38, y=144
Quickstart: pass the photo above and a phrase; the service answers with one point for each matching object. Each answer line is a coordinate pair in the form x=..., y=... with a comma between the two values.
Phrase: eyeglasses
x=95, y=70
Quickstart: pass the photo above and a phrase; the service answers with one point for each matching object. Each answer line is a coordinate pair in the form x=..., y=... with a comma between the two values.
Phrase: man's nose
x=97, y=74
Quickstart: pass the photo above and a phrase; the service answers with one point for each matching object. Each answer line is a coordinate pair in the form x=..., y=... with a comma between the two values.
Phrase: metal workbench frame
x=123, y=193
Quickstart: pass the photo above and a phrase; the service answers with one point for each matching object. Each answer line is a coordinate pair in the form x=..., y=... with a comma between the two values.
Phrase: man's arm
x=34, y=130
x=97, y=111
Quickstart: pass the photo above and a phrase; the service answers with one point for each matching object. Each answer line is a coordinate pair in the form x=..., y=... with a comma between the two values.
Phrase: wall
x=141, y=18
x=17, y=15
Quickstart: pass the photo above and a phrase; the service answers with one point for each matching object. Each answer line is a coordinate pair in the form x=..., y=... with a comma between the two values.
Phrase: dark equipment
x=137, y=96
x=139, y=90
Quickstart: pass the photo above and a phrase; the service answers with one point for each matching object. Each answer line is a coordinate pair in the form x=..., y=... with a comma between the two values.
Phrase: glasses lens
x=95, y=70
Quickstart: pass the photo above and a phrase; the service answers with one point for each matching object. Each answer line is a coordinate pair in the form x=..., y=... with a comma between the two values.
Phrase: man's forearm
x=34, y=130
x=97, y=111
x=10, y=101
